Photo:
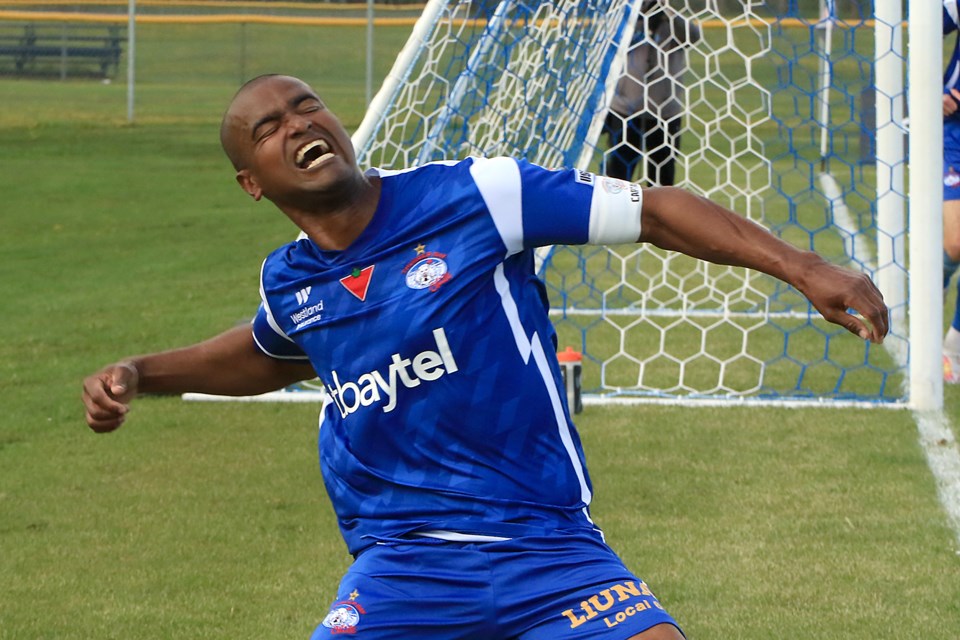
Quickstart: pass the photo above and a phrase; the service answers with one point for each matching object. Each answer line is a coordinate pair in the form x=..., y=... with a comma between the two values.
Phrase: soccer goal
x=792, y=118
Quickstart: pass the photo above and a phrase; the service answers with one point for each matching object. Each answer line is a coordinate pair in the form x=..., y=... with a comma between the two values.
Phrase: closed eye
x=265, y=126
x=309, y=104
x=264, y=132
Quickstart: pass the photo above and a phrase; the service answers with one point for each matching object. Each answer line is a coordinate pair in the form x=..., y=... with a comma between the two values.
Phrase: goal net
x=778, y=122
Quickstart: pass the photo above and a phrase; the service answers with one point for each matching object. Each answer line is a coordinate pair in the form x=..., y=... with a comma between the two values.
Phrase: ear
x=249, y=184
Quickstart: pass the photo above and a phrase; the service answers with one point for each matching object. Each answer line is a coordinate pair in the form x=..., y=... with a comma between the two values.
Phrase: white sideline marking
x=316, y=397
x=854, y=246
x=940, y=446
x=936, y=435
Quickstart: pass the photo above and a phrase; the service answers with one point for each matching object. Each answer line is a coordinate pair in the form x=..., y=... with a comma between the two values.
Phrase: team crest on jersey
x=428, y=270
x=951, y=178
x=344, y=617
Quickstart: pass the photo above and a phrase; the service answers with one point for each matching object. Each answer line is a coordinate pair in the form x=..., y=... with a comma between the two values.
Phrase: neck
x=334, y=221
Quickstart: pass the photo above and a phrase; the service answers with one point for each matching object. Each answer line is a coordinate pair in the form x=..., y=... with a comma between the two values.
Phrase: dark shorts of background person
x=646, y=136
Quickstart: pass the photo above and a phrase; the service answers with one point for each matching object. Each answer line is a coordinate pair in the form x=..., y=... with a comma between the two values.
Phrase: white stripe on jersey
x=615, y=211
x=266, y=307
x=526, y=347
x=455, y=536
x=273, y=325
x=327, y=401
x=277, y=356
x=513, y=314
x=498, y=180
x=540, y=357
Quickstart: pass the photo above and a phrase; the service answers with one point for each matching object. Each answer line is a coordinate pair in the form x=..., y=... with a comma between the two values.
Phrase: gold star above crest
x=354, y=594
x=420, y=249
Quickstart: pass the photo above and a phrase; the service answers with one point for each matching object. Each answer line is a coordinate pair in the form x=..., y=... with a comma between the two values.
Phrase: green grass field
x=209, y=521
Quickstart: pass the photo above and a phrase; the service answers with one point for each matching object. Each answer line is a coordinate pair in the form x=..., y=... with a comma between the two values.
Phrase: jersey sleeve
x=535, y=207
x=950, y=16
x=271, y=339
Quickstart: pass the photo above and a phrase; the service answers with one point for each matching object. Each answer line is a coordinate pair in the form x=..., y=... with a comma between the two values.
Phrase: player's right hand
x=107, y=395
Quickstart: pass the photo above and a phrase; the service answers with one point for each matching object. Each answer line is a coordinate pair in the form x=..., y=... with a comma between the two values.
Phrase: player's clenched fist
x=107, y=395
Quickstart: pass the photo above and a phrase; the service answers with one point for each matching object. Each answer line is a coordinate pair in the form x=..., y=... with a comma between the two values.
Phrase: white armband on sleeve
x=615, y=211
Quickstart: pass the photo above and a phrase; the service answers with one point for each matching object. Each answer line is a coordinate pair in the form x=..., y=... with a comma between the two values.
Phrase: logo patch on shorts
x=951, y=178
x=344, y=617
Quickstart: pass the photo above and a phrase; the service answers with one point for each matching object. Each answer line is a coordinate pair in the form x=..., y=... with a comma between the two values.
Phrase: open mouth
x=312, y=154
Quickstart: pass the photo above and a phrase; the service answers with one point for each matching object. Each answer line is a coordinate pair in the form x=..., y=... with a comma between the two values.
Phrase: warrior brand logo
x=303, y=295
x=585, y=177
x=375, y=387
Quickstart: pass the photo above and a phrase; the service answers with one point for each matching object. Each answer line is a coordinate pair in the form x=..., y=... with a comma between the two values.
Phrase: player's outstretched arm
x=678, y=220
x=229, y=364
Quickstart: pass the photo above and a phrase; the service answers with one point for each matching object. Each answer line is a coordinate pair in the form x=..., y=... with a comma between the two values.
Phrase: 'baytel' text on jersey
x=375, y=388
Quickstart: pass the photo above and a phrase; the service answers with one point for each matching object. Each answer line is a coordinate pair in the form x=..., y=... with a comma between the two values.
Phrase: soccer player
x=646, y=110
x=951, y=190
x=446, y=445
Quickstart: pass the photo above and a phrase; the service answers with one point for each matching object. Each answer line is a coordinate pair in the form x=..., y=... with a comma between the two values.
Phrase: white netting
x=516, y=78
x=776, y=124
x=775, y=113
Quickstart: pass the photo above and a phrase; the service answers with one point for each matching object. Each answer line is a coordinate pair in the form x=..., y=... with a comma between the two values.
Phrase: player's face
x=291, y=144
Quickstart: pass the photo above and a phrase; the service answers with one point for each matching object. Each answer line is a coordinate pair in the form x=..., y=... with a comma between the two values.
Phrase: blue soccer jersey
x=431, y=335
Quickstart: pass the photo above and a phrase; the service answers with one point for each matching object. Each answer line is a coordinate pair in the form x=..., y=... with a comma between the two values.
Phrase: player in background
x=446, y=446
x=951, y=189
x=646, y=111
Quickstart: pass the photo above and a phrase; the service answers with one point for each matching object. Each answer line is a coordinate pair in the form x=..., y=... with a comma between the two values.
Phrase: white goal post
x=792, y=119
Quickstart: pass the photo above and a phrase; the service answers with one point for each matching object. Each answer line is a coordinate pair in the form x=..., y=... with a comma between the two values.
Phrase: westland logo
x=307, y=315
x=376, y=387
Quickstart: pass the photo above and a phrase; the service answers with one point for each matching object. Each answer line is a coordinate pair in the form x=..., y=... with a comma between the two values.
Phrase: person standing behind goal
x=951, y=189
x=646, y=110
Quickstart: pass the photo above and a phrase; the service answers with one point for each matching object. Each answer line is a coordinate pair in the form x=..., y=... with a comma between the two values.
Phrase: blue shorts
x=534, y=588
x=951, y=161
